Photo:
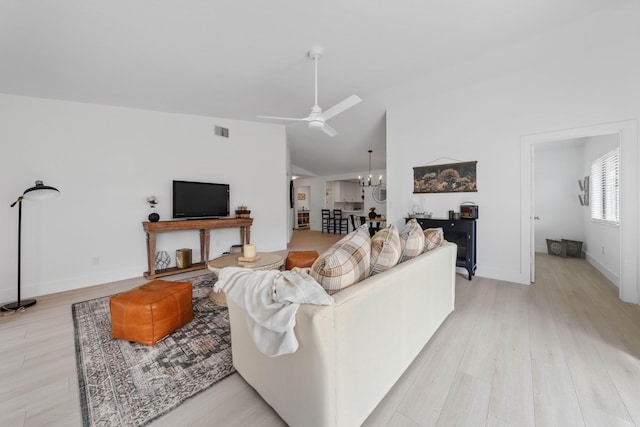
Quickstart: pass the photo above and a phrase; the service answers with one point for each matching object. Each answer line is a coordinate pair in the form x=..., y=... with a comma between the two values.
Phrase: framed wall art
x=445, y=178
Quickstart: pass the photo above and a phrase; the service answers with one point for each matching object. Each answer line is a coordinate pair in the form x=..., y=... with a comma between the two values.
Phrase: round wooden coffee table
x=265, y=261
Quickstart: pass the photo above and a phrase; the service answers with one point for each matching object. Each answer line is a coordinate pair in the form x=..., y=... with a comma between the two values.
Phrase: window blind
x=605, y=188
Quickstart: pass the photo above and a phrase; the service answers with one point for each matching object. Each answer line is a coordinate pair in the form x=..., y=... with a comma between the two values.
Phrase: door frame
x=627, y=131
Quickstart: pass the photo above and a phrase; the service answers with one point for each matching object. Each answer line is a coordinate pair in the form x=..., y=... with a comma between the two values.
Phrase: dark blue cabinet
x=462, y=232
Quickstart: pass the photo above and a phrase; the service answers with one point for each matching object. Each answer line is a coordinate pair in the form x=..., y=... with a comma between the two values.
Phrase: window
x=605, y=188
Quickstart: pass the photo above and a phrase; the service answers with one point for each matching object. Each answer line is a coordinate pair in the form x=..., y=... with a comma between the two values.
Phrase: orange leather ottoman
x=148, y=313
x=300, y=259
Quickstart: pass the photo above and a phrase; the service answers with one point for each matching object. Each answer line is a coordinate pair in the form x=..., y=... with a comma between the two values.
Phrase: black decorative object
x=154, y=216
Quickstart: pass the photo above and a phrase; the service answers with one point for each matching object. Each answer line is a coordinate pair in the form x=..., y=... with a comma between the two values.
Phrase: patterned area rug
x=128, y=384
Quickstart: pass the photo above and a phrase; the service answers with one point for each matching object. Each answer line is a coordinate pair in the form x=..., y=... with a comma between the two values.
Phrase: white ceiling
x=238, y=59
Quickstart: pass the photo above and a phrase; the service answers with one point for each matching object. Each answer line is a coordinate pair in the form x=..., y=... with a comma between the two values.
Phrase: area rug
x=124, y=383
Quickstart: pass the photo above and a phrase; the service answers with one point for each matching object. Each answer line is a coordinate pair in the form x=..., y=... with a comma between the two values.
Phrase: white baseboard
x=542, y=249
x=500, y=274
x=606, y=272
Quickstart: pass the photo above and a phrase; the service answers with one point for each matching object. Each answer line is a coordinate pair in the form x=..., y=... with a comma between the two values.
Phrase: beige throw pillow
x=385, y=250
x=433, y=238
x=411, y=240
x=345, y=263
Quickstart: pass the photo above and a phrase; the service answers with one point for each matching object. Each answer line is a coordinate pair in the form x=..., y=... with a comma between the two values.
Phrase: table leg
x=205, y=241
x=151, y=252
x=245, y=235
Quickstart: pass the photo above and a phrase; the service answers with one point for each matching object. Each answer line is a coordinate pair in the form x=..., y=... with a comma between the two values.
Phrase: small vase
x=153, y=215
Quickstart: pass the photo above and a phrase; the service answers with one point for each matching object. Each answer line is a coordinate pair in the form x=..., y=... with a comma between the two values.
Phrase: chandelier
x=369, y=175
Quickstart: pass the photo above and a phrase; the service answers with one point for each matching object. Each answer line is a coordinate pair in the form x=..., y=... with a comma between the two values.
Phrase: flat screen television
x=200, y=199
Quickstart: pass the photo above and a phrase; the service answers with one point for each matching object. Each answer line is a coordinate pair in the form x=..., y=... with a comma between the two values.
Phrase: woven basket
x=573, y=248
x=556, y=247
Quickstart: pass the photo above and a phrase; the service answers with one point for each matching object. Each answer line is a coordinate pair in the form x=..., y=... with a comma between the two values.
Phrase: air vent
x=220, y=131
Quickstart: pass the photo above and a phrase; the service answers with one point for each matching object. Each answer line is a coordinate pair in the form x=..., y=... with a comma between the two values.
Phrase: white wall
x=558, y=168
x=602, y=241
x=566, y=81
x=106, y=161
x=369, y=202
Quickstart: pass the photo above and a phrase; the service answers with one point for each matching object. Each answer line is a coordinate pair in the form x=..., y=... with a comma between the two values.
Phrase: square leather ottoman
x=302, y=259
x=150, y=312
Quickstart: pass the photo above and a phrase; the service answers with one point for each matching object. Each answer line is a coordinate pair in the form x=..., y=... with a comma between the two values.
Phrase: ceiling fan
x=317, y=119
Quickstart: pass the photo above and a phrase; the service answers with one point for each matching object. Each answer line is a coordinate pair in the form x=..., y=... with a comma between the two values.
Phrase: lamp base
x=13, y=306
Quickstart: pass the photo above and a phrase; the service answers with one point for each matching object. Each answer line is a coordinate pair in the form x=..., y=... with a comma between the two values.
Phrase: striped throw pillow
x=385, y=250
x=433, y=238
x=411, y=240
x=345, y=263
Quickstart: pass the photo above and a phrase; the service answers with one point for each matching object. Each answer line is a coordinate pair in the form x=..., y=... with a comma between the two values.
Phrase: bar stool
x=338, y=221
x=327, y=220
x=353, y=222
x=363, y=220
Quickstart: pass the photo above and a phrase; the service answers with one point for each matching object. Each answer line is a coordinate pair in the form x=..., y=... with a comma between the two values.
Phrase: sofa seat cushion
x=347, y=262
x=411, y=240
x=385, y=249
x=433, y=238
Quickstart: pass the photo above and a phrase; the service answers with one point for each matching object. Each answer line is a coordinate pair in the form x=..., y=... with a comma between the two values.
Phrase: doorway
x=627, y=134
x=303, y=203
x=562, y=209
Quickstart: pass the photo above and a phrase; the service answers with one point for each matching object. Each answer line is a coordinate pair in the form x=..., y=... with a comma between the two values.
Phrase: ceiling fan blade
x=341, y=106
x=329, y=130
x=306, y=119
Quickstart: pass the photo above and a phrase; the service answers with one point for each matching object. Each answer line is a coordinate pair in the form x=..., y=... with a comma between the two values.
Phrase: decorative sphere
x=154, y=217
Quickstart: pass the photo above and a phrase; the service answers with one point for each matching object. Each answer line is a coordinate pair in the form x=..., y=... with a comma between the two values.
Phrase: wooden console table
x=204, y=225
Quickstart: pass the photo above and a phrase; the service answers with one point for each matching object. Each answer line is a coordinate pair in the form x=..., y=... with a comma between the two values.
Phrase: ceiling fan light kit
x=317, y=119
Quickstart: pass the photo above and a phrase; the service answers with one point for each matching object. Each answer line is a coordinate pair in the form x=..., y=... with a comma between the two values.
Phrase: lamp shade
x=40, y=192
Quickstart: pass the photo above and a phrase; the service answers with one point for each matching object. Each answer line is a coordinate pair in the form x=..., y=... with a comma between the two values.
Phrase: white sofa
x=353, y=352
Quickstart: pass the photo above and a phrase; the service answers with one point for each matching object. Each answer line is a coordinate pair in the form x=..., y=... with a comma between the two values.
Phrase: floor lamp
x=37, y=192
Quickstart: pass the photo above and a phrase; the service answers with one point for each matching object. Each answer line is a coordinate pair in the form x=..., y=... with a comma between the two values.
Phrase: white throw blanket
x=271, y=299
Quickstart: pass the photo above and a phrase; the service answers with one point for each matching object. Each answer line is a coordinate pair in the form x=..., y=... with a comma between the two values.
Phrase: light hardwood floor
x=564, y=351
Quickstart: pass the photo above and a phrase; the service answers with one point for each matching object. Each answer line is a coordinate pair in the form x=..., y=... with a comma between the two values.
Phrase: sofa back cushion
x=433, y=238
x=347, y=262
x=385, y=249
x=411, y=240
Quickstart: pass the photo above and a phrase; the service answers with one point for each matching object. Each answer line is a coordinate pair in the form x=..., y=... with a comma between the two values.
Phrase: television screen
x=200, y=199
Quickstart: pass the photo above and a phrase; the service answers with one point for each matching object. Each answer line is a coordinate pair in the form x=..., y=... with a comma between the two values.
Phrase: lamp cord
x=7, y=311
